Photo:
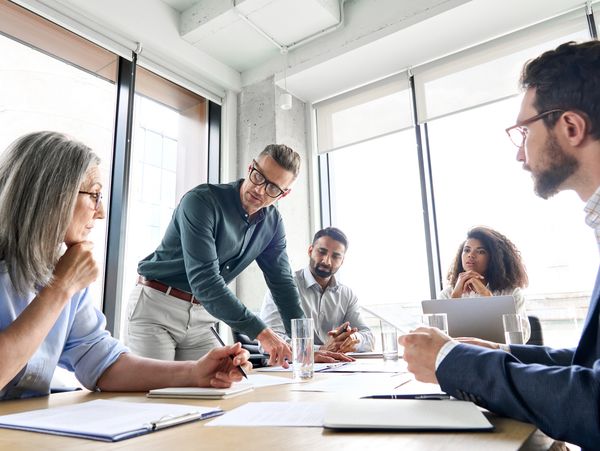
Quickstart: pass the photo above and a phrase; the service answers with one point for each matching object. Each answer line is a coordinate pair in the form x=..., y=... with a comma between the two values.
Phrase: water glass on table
x=439, y=320
x=303, y=356
x=389, y=341
x=513, y=329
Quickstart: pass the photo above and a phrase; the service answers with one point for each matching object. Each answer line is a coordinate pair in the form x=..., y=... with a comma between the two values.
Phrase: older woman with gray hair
x=50, y=199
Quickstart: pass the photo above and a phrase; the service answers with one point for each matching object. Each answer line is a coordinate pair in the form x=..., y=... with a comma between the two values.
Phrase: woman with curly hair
x=487, y=264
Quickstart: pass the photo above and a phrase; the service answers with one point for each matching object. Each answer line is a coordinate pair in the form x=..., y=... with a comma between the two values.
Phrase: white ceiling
x=250, y=32
x=180, y=5
x=378, y=37
x=213, y=43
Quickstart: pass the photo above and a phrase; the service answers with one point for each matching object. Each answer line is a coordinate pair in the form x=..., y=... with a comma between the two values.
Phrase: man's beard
x=319, y=270
x=560, y=167
x=322, y=272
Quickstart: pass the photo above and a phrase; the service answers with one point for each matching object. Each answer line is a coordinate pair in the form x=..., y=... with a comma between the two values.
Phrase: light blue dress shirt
x=78, y=342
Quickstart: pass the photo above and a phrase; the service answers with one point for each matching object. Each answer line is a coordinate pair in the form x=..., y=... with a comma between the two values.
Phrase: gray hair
x=284, y=156
x=40, y=176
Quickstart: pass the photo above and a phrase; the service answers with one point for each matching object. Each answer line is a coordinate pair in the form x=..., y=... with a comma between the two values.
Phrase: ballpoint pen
x=218, y=337
x=340, y=330
x=439, y=396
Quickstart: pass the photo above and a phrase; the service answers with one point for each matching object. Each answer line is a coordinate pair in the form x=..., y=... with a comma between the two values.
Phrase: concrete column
x=262, y=122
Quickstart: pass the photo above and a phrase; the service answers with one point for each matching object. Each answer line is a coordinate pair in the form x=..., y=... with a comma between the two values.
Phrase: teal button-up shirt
x=210, y=241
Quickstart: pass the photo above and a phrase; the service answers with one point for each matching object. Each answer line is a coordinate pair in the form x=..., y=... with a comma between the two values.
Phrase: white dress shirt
x=328, y=309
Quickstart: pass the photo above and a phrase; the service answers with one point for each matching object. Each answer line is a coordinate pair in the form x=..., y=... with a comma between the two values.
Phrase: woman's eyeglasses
x=96, y=197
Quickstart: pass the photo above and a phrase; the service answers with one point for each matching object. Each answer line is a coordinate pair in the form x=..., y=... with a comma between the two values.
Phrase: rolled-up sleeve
x=89, y=348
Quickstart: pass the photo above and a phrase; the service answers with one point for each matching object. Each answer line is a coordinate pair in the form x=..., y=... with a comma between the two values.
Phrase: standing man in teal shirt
x=215, y=233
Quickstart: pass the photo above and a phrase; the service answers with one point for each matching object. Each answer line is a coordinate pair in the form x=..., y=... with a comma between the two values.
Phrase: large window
x=463, y=104
x=51, y=79
x=477, y=181
x=169, y=156
x=376, y=201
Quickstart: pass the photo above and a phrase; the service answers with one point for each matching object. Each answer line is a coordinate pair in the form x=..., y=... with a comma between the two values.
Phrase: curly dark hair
x=505, y=268
x=567, y=78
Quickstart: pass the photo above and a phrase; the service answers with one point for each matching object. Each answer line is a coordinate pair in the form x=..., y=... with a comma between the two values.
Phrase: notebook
x=405, y=415
x=106, y=420
x=201, y=392
x=474, y=317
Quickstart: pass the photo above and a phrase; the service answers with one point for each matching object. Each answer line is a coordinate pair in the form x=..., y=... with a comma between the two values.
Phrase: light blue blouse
x=78, y=342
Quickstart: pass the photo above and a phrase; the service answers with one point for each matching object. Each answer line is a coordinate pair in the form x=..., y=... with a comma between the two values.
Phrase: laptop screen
x=479, y=317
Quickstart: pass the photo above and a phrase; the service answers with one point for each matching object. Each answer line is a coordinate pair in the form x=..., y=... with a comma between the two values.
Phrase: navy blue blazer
x=558, y=390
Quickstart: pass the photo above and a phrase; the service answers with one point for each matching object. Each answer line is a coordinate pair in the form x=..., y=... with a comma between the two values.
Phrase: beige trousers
x=167, y=328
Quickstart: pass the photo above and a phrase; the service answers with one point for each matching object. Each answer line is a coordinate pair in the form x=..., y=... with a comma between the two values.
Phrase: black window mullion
x=115, y=249
x=435, y=242
x=429, y=225
x=591, y=22
x=214, y=142
x=325, y=190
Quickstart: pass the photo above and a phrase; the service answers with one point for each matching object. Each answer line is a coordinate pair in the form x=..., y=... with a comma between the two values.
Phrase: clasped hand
x=342, y=339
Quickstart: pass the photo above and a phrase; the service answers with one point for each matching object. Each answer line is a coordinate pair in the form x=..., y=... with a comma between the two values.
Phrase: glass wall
x=477, y=181
x=52, y=79
x=466, y=101
x=169, y=156
x=376, y=201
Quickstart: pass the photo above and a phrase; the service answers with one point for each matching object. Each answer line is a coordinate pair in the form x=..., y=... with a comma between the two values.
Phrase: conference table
x=508, y=434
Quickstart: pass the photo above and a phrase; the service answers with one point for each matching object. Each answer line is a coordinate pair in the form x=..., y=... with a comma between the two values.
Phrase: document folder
x=106, y=420
x=405, y=415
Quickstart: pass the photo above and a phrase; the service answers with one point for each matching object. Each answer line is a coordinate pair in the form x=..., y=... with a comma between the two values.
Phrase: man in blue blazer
x=558, y=136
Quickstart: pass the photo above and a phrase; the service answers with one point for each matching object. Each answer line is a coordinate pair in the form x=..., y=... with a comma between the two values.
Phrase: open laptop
x=479, y=317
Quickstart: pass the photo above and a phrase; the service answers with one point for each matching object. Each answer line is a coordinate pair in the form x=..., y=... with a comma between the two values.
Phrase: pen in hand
x=340, y=330
x=220, y=340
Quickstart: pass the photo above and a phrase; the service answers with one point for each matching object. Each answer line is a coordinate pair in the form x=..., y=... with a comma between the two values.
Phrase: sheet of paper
x=252, y=414
x=318, y=367
x=415, y=387
x=370, y=366
x=365, y=355
x=359, y=384
x=264, y=380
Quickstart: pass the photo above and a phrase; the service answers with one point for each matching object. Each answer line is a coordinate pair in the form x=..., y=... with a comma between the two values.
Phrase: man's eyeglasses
x=259, y=179
x=517, y=133
x=96, y=197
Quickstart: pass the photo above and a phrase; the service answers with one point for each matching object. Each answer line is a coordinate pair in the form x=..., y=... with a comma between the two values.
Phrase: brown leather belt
x=169, y=291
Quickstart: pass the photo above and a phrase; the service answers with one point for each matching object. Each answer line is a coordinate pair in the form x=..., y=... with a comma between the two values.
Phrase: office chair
x=537, y=337
x=257, y=358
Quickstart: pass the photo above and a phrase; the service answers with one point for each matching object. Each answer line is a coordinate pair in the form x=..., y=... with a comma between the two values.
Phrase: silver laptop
x=405, y=415
x=474, y=317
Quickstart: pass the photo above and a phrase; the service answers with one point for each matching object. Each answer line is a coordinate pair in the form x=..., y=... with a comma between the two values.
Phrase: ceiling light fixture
x=285, y=98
